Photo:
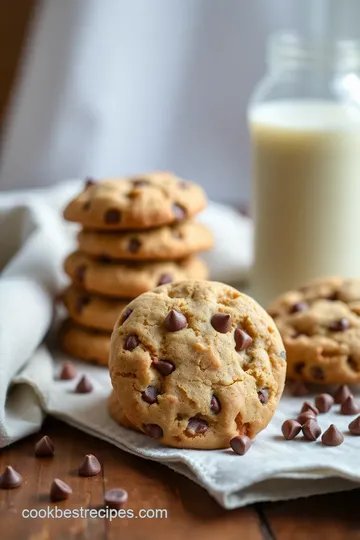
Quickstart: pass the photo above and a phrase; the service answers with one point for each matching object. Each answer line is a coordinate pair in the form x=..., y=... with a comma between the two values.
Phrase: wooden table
x=192, y=513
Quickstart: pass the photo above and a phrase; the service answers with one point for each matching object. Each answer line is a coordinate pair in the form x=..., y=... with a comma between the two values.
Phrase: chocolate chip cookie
x=127, y=280
x=196, y=363
x=92, y=310
x=139, y=202
x=320, y=326
x=85, y=343
x=169, y=242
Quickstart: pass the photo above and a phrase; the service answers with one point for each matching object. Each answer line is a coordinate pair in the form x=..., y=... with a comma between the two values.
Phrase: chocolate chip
x=215, y=405
x=44, y=447
x=10, y=479
x=131, y=342
x=197, y=426
x=134, y=245
x=68, y=372
x=298, y=367
x=299, y=389
x=153, y=430
x=165, y=278
x=84, y=386
x=299, y=306
x=342, y=393
x=81, y=302
x=221, y=322
x=242, y=340
x=140, y=182
x=150, y=395
x=354, y=426
x=112, y=216
x=115, y=498
x=89, y=182
x=333, y=297
x=178, y=212
x=317, y=373
x=353, y=364
x=311, y=430
x=240, y=444
x=349, y=406
x=332, y=436
x=309, y=407
x=90, y=466
x=324, y=402
x=290, y=429
x=263, y=395
x=175, y=321
x=80, y=273
x=59, y=491
x=125, y=315
x=305, y=416
x=340, y=325
x=165, y=367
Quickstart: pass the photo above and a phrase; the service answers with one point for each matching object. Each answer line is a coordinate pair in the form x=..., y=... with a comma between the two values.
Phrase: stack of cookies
x=137, y=234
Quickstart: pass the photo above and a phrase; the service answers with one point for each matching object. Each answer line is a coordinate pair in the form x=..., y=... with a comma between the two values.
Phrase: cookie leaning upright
x=124, y=203
x=320, y=326
x=196, y=363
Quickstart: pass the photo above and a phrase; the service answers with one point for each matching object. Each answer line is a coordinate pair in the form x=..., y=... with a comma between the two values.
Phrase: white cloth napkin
x=33, y=243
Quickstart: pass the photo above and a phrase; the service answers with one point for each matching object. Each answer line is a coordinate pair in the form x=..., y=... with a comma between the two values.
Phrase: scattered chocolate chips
x=84, y=386
x=90, y=466
x=349, y=406
x=309, y=407
x=221, y=322
x=240, y=444
x=215, y=405
x=290, y=429
x=311, y=429
x=340, y=325
x=150, y=395
x=68, y=372
x=242, y=340
x=299, y=306
x=197, y=426
x=10, y=479
x=305, y=416
x=299, y=389
x=263, y=395
x=44, y=447
x=165, y=367
x=317, y=373
x=165, y=278
x=342, y=393
x=153, y=430
x=126, y=314
x=115, y=498
x=131, y=342
x=134, y=245
x=59, y=491
x=354, y=426
x=178, y=212
x=175, y=321
x=81, y=302
x=332, y=436
x=80, y=273
x=324, y=402
x=112, y=216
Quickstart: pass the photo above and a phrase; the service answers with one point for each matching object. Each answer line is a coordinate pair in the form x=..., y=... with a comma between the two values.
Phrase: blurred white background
x=123, y=86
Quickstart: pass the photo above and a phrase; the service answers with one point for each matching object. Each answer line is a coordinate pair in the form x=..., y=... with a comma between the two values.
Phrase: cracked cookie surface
x=320, y=327
x=140, y=202
x=196, y=363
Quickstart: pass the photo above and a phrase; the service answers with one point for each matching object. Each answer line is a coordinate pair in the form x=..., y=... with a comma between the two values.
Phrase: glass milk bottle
x=304, y=120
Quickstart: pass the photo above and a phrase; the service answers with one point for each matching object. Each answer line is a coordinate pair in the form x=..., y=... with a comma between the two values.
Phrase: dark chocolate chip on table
x=354, y=426
x=311, y=429
x=44, y=447
x=349, y=406
x=150, y=395
x=197, y=426
x=112, y=216
x=342, y=393
x=131, y=342
x=90, y=466
x=165, y=367
x=115, y=498
x=221, y=322
x=240, y=444
x=68, y=372
x=164, y=279
x=299, y=389
x=153, y=430
x=324, y=402
x=10, y=479
x=242, y=340
x=175, y=321
x=332, y=436
x=59, y=490
x=84, y=386
x=215, y=405
x=309, y=407
x=305, y=416
x=290, y=429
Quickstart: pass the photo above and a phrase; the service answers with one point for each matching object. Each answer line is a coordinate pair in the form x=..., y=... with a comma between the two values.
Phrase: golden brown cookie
x=84, y=343
x=91, y=310
x=169, y=242
x=117, y=413
x=196, y=363
x=139, y=202
x=320, y=326
x=127, y=280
